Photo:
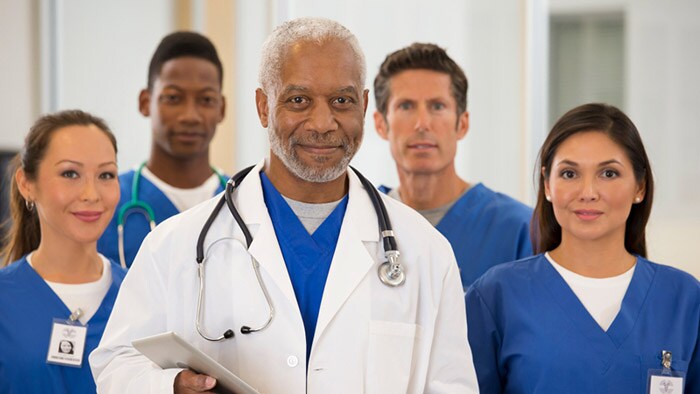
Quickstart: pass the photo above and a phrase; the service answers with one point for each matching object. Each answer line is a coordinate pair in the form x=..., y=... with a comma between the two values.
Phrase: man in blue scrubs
x=184, y=102
x=421, y=99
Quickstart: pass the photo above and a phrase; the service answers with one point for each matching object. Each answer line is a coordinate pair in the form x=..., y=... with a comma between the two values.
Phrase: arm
x=451, y=368
x=139, y=311
x=485, y=342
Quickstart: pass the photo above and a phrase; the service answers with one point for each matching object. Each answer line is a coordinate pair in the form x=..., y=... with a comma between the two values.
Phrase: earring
x=637, y=199
x=548, y=198
x=29, y=204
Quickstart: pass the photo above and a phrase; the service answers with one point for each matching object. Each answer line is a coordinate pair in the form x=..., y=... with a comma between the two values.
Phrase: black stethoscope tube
x=390, y=272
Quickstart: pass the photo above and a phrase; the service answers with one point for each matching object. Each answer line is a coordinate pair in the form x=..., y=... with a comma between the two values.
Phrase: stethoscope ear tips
x=246, y=330
x=228, y=334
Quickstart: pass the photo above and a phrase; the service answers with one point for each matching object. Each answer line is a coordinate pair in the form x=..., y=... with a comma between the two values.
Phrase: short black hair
x=183, y=44
x=420, y=56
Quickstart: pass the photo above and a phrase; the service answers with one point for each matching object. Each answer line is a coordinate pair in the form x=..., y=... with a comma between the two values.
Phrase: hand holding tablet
x=168, y=350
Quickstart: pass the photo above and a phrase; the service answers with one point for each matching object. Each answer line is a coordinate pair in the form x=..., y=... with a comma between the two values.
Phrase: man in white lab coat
x=336, y=326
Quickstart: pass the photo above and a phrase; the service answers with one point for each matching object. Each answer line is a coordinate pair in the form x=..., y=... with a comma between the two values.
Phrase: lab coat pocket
x=390, y=356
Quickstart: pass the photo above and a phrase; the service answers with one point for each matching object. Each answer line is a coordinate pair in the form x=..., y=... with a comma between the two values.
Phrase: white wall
x=19, y=98
x=101, y=63
x=664, y=102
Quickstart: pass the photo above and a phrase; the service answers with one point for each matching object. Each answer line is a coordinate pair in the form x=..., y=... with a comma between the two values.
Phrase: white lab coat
x=369, y=337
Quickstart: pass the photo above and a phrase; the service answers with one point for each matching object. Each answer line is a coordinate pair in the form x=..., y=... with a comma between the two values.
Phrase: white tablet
x=168, y=350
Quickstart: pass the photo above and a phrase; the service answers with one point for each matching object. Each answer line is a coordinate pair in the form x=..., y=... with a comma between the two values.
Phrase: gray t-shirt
x=435, y=215
x=312, y=215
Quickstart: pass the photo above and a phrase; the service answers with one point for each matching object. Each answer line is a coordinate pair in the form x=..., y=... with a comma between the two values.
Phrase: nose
x=89, y=192
x=589, y=190
x=321, y=119
x=422, y=119
x=190, y=112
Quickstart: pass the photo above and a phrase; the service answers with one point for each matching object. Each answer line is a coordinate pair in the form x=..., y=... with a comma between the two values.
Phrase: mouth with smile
x=88, y=216
x=319, y=149
x=588, y=214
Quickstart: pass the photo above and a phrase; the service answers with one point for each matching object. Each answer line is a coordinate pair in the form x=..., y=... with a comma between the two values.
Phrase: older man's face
x=316, y=118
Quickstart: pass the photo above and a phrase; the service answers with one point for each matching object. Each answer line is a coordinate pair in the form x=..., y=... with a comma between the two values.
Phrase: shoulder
x=185, y=225
x=118, y=273
x=12, y=268
x=673, y=277
x=9, y=273
x=509, y=275
x=500, y=201
x=127, y=175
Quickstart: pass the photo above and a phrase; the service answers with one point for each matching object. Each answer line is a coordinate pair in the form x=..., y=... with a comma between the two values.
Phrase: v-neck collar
x=608, y=342
x=47, y=295
x=323, y=239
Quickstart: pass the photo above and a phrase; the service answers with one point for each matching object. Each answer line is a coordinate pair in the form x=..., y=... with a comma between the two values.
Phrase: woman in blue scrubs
x=589, y=313
x=57, y=293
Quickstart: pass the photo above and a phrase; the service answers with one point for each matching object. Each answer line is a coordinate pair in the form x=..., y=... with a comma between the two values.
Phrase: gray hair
x=318, y=30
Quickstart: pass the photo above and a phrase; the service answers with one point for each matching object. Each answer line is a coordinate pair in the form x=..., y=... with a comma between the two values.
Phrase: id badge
x=665, y=380
x=67, y=342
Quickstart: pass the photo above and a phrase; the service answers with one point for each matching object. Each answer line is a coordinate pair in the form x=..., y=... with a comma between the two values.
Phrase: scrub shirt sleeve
x=485, y=340
x=139, y=311
x=451, y=369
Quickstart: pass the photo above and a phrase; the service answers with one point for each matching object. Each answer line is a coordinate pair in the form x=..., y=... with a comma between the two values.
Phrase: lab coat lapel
x=265, y=248
x=352, y=259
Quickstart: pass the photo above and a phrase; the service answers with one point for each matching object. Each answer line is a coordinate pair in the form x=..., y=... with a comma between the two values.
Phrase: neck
x=594, y=259
x=67, y=262
x=428, y=191
x=291, y=186
x=181, y=173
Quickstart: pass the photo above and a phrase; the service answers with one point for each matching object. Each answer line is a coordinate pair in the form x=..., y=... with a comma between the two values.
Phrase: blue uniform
x=136, y=226
x=485, y=228
x=307, y=256
x=27, y=310
x=529, y=333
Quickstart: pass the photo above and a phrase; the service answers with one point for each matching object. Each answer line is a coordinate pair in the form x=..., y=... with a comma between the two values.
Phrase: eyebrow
x=297, y=88
x=181, y=89
x=77, y=163
x=601, y=164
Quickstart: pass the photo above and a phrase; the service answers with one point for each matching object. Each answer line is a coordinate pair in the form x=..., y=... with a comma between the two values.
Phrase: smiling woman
x=608, y=319
x=63, y=196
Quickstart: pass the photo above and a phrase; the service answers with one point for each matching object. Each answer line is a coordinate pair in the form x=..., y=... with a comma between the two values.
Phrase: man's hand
x=187, y=382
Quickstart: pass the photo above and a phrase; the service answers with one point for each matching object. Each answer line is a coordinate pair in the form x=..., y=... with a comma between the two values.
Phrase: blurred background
x=528, y=62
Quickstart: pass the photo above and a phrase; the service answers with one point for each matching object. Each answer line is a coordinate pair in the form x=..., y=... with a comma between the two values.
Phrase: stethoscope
x=391, y=272
x=136, y=205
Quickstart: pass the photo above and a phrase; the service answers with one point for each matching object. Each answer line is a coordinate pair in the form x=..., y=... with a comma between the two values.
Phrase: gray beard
x=289, y=158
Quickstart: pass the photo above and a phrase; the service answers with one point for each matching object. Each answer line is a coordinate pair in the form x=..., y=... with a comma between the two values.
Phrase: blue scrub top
x=307, y=256
x=485, y=228
x=27, y=309
x=136, y=226
x=529, y=333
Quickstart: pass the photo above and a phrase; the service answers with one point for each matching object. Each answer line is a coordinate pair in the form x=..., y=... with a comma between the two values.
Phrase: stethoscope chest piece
x=391, y=276
x=391, y=272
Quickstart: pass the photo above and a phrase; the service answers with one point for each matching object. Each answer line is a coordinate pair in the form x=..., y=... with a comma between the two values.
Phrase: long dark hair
x=545, y=231
x=25, y=233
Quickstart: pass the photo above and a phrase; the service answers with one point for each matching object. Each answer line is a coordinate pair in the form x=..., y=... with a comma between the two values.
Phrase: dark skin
x=185, y=106
x=321, y=93
x=187, y=382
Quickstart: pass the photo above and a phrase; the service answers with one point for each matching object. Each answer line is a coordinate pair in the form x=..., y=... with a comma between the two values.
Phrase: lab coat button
x=292, y=361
